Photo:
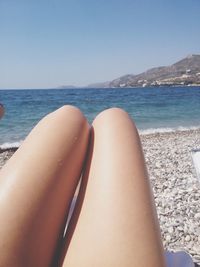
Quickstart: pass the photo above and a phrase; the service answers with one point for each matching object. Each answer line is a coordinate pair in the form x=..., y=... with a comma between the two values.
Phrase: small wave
x=8, y=145
x=168, y=129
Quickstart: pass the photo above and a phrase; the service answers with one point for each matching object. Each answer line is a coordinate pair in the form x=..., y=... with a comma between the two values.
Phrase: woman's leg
x=36, y=188
x=117, y=224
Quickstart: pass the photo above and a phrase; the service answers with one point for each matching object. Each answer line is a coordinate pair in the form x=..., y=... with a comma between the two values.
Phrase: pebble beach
x=176, y=188
x=175, y=185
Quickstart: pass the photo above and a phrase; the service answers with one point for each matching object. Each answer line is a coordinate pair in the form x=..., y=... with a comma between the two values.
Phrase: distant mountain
x=99, y=85
x=66, y=87
x=183, y=72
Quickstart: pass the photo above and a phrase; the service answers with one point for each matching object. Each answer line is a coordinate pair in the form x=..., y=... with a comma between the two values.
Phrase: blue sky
x=48, y=43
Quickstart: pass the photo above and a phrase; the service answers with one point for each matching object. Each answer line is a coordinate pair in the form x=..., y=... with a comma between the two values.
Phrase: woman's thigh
x=36, y=188
x=115, y=222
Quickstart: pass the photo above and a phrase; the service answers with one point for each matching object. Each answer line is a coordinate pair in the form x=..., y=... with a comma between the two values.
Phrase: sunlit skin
x=115, y=222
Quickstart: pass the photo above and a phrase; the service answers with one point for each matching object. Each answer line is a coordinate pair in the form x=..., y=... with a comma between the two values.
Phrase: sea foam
x=8, y=145
x=168, y=129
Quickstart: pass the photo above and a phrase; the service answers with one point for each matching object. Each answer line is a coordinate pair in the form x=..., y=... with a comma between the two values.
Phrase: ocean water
x=153, y=109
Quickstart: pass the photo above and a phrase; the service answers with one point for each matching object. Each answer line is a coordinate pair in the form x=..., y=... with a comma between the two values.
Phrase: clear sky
x=48, y=43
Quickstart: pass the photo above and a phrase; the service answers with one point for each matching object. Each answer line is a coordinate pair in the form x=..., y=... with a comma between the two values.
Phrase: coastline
x=175, y=185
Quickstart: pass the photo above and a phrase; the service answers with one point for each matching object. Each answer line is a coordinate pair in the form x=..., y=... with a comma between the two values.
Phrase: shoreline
x=151, y=132
x=175, y=186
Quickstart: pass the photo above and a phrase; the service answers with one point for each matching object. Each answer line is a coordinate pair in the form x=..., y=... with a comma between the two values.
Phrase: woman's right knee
x=67, y=116
x=67, y=112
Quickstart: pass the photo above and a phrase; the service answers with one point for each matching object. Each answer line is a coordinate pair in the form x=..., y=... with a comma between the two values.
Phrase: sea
x=154, y=109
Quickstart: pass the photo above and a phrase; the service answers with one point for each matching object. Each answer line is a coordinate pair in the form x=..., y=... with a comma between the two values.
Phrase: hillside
x=183, y=72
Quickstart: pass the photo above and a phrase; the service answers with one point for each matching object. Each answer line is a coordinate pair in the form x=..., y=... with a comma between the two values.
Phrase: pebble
x=187, y=238
x=197, y=216
x=170, y=230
